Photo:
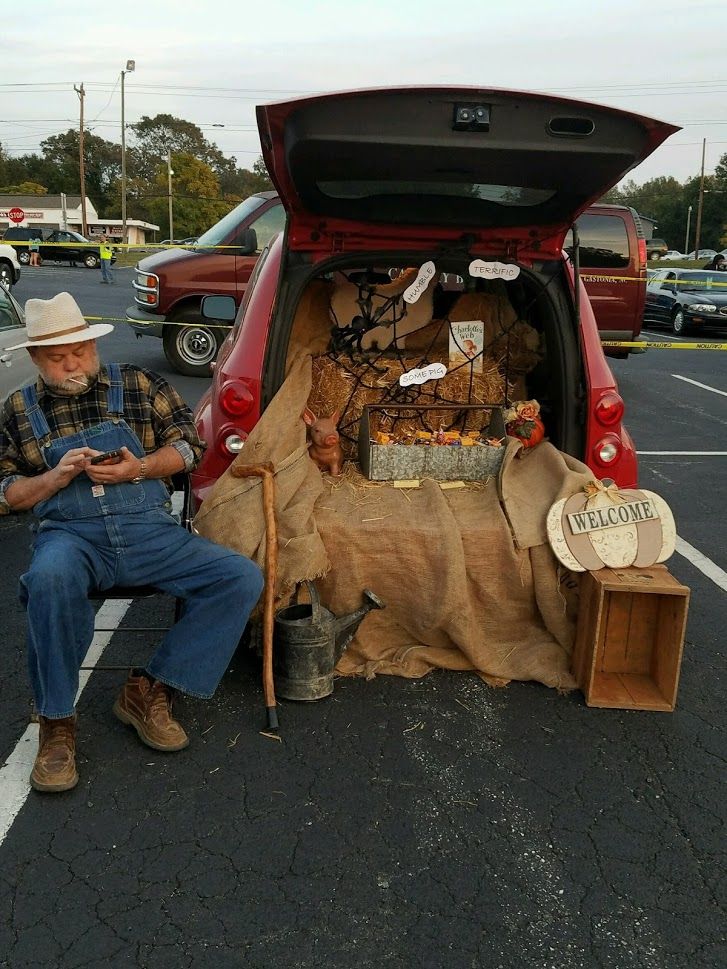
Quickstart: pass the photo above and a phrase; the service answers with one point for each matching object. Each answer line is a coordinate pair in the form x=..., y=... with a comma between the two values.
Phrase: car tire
x=90, y=261
x=24, y=258
x=678, y=324
x=6, y=275
x=191, y=346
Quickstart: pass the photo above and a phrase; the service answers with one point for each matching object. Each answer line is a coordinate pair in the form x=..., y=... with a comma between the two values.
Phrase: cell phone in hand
x=100, y=458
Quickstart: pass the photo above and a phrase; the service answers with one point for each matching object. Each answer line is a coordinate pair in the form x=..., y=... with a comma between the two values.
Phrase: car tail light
x=642, y=253
x=607, y=450
x=235, y=399
x=609, y=409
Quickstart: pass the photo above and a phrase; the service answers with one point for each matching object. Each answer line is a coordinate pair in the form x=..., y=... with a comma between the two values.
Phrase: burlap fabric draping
x=232, y=514
x=468, y=578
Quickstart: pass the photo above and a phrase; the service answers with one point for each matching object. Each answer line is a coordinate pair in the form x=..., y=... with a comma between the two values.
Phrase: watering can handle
x=315, y=600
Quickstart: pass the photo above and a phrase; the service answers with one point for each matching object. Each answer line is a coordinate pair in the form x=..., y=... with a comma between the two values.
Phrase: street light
x=130, y=66
x=169, y=183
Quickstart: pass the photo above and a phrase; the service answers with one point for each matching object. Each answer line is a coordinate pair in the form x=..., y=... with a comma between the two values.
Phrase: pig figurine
x=324, y=446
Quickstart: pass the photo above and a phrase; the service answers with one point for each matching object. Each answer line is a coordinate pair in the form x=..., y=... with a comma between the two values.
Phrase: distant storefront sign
x=18, y=215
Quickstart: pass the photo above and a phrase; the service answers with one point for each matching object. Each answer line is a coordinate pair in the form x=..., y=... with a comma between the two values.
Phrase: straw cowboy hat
x=51, y=322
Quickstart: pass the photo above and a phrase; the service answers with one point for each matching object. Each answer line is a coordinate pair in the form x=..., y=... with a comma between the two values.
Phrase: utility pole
x=81, y=162
x=169, y=184
x=698, y=230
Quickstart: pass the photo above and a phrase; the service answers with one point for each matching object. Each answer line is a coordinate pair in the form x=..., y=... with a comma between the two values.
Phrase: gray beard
x=73, y=387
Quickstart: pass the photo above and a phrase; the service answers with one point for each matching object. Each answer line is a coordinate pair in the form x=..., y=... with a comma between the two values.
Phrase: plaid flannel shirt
x=152, y=408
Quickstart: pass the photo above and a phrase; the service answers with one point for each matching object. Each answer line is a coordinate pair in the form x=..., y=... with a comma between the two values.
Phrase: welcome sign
x=628, y=513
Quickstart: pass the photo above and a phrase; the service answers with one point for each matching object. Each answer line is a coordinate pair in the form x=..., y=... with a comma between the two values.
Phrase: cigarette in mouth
x=78, y=380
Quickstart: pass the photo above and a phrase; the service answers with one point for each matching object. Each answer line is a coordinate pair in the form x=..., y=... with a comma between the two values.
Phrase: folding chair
x=183, y=486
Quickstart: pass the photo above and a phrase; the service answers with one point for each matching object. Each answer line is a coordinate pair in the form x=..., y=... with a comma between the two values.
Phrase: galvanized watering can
x=308, y=642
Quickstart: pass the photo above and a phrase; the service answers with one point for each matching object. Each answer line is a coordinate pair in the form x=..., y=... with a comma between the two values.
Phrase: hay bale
x=340, y=383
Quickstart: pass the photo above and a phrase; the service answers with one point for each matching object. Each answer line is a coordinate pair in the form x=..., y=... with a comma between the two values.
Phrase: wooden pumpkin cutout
x=603, y=526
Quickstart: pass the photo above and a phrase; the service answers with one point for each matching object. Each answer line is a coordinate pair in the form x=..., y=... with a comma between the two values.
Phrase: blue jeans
x=106, y=274
x=70, y=559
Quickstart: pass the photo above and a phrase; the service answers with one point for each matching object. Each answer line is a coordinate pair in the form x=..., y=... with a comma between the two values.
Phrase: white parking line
x=660, y=336
x=706, y=566
x=15, y=772
x=697, y=384
x=687, y=454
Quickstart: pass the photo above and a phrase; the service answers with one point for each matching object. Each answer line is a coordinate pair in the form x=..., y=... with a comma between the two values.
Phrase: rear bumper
x=144, y=324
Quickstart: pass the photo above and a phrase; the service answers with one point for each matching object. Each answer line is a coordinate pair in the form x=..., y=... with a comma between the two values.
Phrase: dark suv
x=58, y=245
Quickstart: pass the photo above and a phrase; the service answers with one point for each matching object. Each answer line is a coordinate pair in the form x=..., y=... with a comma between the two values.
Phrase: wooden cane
x=267, y=473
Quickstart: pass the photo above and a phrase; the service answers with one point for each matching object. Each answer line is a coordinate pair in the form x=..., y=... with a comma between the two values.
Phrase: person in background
x=719, y=262
x=34, y=247
x=105, y=253
x=110, y=523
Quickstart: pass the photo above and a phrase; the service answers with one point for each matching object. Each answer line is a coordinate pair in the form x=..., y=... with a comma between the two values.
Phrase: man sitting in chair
x=108, y=523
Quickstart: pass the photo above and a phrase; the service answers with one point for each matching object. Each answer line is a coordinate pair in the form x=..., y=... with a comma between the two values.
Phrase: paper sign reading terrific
x=595, y=519
x=413, y=292
x=433, y=372
x=494, y=270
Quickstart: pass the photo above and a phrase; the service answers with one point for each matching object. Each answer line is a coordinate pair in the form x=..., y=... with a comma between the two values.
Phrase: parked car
x=59, y=245
x=390, y=177
x=687, y=299
x=169, y=285
x=612, y=257
x=656, y=248
x=703, y=254
x=169, y=290
x=16, y=368
x=672, y=256
x=9, y=267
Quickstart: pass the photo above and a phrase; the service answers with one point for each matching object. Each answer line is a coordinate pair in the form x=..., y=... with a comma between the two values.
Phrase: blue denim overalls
x=95, y=537
x=81, y=498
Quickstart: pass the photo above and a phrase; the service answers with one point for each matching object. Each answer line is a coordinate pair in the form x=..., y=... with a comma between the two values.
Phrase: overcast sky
x=211, y=63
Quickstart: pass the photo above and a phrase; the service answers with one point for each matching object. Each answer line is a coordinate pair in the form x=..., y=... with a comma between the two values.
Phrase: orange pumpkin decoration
x=529, y=433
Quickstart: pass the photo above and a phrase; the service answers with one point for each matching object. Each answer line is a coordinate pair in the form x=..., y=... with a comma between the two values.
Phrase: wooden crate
x=628, y=650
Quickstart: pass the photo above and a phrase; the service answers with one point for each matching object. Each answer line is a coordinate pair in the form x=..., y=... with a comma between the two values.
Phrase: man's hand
x=115, y=470
x=70, y=466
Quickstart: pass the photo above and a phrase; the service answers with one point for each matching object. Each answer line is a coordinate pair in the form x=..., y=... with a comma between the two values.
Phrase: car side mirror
x=222, y=309
x=247, y=243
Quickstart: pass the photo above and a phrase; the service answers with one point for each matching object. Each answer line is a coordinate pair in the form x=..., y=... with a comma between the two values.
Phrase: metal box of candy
x=447, y=442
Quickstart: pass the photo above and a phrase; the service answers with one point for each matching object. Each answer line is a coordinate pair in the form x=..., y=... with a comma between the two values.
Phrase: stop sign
x=16, y=215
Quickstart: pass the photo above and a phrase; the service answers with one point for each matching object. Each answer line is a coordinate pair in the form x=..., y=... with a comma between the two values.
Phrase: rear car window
x=507, y=195
x=604, y=242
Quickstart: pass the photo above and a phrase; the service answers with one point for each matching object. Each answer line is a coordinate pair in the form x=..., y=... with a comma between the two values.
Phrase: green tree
x=102, y=167
x=24, y=188
x=196, y=203
x=156, y=137
x=241, y=182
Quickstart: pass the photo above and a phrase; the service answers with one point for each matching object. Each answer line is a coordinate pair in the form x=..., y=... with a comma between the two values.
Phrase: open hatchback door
x=501, y=171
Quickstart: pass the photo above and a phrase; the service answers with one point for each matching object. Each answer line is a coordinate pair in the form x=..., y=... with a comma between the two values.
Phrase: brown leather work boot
x=55, y=766
x=147, y=706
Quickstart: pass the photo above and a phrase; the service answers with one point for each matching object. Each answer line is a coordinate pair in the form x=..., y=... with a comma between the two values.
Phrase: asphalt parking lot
x=433, y=823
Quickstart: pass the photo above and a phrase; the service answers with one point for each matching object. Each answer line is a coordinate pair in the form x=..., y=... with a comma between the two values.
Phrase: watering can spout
x=346, y=626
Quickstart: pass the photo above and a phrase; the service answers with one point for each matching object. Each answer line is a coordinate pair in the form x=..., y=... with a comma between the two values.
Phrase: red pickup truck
x=169, y=285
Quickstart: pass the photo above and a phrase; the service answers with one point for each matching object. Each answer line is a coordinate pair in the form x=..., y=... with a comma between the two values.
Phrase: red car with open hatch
x=377, y=181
